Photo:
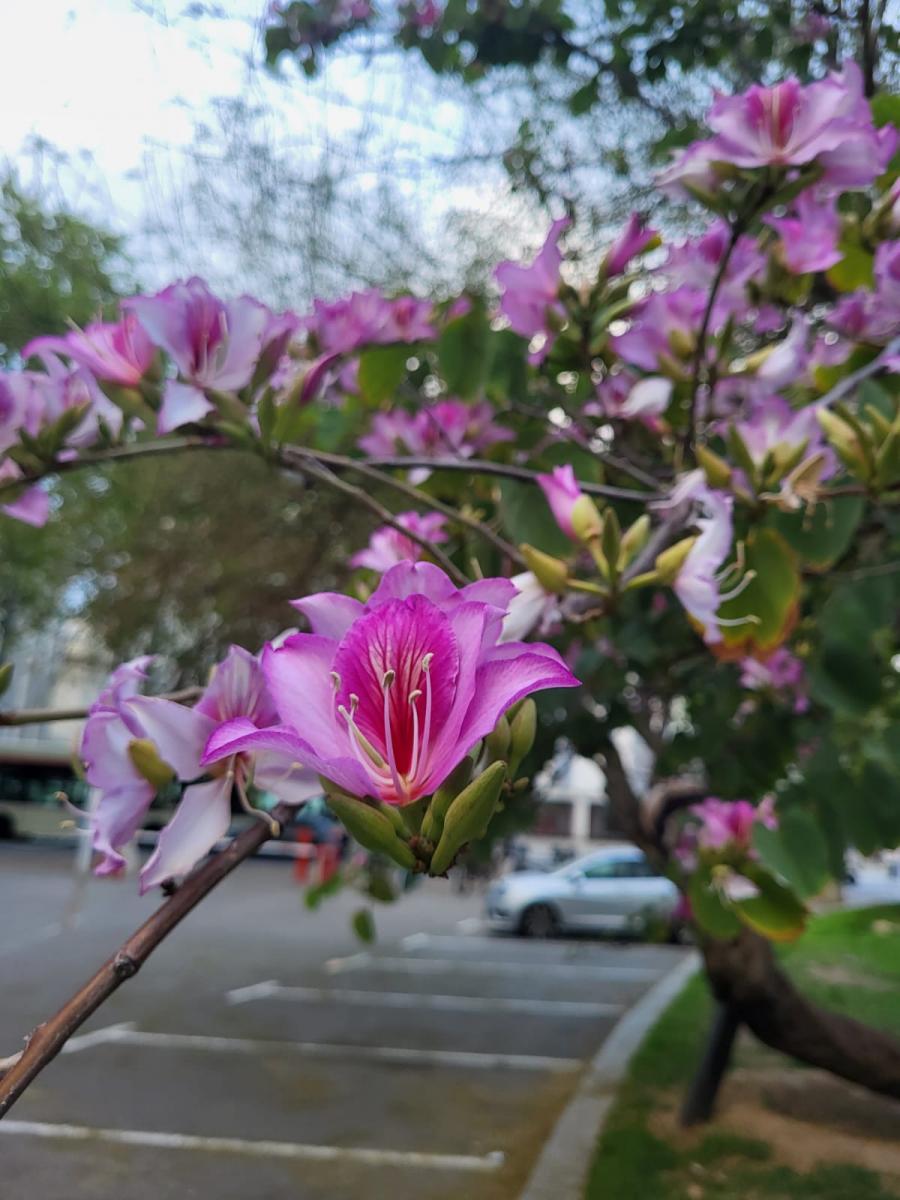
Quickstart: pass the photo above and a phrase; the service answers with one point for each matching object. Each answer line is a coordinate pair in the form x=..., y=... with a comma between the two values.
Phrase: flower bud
x=634, y=540
x=433, y=821
x=843, y=437
x=522, y=730
x=716, y=469
x=585, y=519
x=551, y=573
x=496, y=743
x=468, y=816
x=371, y=828
x=146, y=761
x=670, y=561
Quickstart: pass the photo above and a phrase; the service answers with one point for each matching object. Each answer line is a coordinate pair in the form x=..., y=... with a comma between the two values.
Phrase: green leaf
x=463, y=353
x=823, y=538
x=846, y=678
x=855, y=270
x=796, y=850
x=771, y=597
x=364, y=925
x=775, y=912
x=381, y=371
x=314, y=895
x=710, y=911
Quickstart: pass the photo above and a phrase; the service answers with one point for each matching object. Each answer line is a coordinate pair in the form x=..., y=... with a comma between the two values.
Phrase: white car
x=612, y=890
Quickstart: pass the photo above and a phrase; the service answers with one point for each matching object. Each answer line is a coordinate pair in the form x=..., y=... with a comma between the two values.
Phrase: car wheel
x=539, y=921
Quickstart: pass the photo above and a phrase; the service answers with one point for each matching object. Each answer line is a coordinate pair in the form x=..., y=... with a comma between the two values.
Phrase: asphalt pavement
x=263, y=1053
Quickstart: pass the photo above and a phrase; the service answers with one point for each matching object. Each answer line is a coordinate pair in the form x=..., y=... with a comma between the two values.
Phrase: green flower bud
x=433, y=821
x=716, y=469
x=585, y=519
x=146, y=760
x=468, y=816
x=670, y=561
x=497, y=741
x=371, y=828
x=523, y=729
x=551, y=573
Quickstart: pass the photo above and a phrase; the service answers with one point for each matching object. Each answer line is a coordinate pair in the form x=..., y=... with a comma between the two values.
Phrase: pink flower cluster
x=446, y=429
x=782, y=673
x=388, y=546
x=384, y=699
x=723, y=826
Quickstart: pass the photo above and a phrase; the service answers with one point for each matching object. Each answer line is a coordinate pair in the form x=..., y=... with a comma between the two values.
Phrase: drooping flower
x=809, y=237
x=782, y=673
x=695, y=263
x=388, y=546
x=729, y=823
x=779, y=437
x=179, y=735
x=32, y=506
x=663, y=329
x=385, y=699
x=532, y=608
x=530, y=299
x=446, y=429
x=631, y=241
x=369, y=318
x=64, y=389
x=625, y=396
x=116, y=353
x=213, y=343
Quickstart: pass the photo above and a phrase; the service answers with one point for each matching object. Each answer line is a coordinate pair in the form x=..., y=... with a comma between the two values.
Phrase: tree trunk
x=745, y=975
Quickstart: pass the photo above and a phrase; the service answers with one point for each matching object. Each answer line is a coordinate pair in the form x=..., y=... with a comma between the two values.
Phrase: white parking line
x=527, y=970
x=421, y=1000
x=126, y=1034
x=257, y=1149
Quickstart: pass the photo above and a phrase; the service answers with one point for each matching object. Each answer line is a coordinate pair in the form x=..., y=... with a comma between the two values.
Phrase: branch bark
x=41, y=716
x=745, y=975
x=46, y=1041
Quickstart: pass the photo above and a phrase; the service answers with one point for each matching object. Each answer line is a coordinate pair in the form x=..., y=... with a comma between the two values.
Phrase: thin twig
x=40, y=716
x=415, y=494
x=46, y=1041
x=309, y=464
x=849, y=382
x=99, y=458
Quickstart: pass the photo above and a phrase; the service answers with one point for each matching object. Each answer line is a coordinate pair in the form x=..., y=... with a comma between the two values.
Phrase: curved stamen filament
x=358, y=739
x=736, y=591
x=386, y=683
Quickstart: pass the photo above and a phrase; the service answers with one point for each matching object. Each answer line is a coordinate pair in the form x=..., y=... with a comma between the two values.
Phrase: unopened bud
x=468, y=816
x=433, y=821
x=585, y=519
x=551, y=573
x=670, y=561
x=845, y=441
x=371, y=828
x=634, y=539
x=147, y=762
x=522, y=730
x=715, y=468
x=496, y=744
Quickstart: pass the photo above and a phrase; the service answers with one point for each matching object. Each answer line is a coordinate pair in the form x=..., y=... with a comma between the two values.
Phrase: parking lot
x=263, y=1052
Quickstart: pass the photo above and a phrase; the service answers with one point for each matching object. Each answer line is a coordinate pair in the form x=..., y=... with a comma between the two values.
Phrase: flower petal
x=179, y=733
x=513, y=671
x=330, y=614
x=298, y=675
x=201, y=818
x=182, y=404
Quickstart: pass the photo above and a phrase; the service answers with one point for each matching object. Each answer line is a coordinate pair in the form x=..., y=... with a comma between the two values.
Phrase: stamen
x=387, y=680
x=335, y=681
x=426, y=732
x=736, y=591
x=358, y=738
x=728, y=622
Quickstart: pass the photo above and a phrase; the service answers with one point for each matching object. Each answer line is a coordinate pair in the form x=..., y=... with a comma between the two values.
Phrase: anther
x=388, y=678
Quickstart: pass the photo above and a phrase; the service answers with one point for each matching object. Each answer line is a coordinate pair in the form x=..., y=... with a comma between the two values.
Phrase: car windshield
x=610, y=865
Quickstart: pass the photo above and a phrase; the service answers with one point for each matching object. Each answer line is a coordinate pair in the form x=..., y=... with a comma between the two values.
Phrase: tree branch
x=46, y=1041
x=40, y=716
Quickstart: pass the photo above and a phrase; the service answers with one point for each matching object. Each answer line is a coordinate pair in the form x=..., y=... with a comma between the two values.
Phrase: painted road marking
x=439, y=966
x=257, y=1149
x=126, y=1034
x=421, y=1000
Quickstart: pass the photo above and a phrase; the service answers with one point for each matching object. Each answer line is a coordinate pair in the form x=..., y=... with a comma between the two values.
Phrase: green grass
x=634, y=1163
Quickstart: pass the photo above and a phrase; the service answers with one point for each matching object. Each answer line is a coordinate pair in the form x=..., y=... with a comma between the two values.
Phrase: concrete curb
x=561, y=1171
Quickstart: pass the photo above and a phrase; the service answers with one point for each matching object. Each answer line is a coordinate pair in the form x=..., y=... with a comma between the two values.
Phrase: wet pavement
x=263, y=1053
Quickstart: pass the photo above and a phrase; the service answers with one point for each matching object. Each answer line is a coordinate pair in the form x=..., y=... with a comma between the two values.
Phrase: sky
x=119, y=86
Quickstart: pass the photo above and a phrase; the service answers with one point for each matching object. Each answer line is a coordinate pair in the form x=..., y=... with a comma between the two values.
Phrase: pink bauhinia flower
x=32, y=506
x=782, y=672
x=532, y=607
x=388, y=546
x=115, y=353
x=695, y=262
x=446, y=429
x=563, y=493
x=385, y=699
x=789, y=125
x=179, y=735
x=729, y=823
x=213, y=343
x=369, y=318
x=663, y=329
x=530, y=300
x=625, y=396
x=773, y=430
x=809, y=237
x=631, y=241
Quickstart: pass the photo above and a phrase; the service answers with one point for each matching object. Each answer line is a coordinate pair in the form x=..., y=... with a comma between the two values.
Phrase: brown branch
x=40, y=716
x=99, y=458
x=415, y=494
x=46, y=1041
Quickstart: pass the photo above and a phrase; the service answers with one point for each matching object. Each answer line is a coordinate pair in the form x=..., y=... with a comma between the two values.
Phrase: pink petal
x=329, y=613
x=182, y=404
x=201, y=819
x=179, y=733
